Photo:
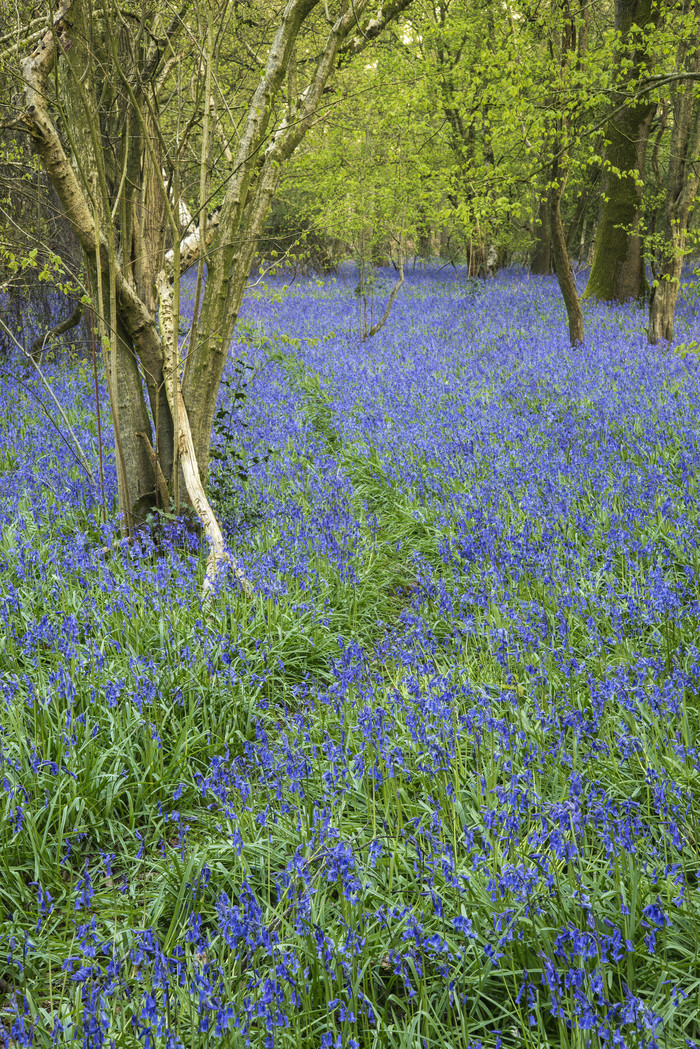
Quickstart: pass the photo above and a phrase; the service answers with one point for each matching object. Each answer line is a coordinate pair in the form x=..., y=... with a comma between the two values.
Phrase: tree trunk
x=682, y=180
x=662, y=306
x=134, y=421
x=618, y=271
x=424, y=234
x=562, y=264
x=576, y=234
x=541, y=263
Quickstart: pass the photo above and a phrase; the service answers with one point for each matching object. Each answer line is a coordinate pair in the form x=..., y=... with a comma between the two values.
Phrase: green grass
x=427, y=674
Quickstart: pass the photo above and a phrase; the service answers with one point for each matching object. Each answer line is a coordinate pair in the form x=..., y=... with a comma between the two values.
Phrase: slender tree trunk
x=542, y=257
x=573, y=45
x=228, y=272
x=562, y=265
x=424, y=234
x=579, y=223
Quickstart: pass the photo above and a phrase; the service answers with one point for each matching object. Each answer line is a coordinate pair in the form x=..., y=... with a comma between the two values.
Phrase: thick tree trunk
x=146, y=222
x=562, y=265
x=662, y=307
x=541, y=263
x=618, y=271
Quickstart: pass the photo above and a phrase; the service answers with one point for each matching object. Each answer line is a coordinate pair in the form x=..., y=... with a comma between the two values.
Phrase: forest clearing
x=433, y=783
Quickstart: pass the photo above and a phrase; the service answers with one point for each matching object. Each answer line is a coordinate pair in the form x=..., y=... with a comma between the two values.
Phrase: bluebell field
x=435, y=783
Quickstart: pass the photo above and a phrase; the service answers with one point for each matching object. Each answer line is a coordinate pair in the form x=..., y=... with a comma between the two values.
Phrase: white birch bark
x=218, y=556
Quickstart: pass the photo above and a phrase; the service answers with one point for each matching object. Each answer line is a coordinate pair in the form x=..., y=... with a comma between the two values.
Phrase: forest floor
x=435, y=783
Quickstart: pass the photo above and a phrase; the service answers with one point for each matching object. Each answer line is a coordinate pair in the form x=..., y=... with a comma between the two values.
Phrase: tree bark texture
x=541, y=263
x=562, y=265
x=134, y=420
x=618, y=270
x=682, y=182
x=572, y=47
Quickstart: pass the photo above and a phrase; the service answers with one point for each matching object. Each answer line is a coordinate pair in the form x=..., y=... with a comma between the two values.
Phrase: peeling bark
x=218, y=556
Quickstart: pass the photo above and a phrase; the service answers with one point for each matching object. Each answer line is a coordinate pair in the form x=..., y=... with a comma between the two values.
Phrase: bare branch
x=81, y=458
x=385, y=316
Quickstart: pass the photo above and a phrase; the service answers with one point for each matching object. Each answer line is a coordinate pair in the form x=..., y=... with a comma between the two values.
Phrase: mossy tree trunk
x=683, y=178
x=541, y=262
x=618, y=271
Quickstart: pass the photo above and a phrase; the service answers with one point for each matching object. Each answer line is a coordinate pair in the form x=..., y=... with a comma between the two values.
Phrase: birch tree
x=102, y=89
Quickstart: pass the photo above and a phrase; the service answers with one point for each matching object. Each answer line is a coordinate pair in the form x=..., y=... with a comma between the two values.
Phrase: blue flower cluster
x=434, y=784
